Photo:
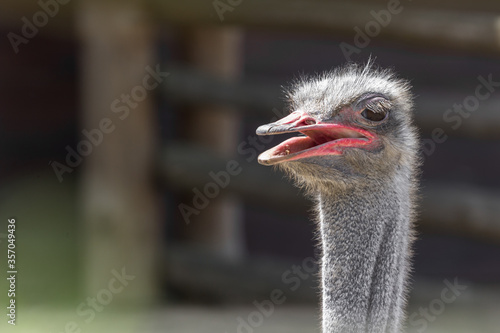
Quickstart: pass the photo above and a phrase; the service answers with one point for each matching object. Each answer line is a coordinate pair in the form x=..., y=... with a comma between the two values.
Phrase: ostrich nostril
x=310, y=121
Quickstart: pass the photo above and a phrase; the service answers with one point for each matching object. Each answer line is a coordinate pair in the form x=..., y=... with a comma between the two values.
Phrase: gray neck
x=365, y=236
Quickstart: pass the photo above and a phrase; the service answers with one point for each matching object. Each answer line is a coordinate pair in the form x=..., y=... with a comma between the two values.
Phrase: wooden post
x=218, y=51
x=120, y=208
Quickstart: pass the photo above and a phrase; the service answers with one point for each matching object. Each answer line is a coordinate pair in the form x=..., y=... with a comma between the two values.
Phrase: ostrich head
x=354, y=125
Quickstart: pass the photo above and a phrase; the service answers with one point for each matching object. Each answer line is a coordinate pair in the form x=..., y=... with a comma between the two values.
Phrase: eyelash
x=379, y=107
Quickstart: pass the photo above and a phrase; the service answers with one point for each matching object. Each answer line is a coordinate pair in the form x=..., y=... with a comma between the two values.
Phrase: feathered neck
x=365, y=237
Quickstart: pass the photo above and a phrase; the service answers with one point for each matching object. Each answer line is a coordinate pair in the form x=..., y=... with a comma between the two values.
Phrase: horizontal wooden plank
x=185, y=167
x=413, y=24
x=470, y=26
x=452, y=208
x=261, y=97
x=199, y=273
x=188, y=85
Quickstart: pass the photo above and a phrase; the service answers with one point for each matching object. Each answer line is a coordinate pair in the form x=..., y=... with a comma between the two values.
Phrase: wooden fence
x=121, y=208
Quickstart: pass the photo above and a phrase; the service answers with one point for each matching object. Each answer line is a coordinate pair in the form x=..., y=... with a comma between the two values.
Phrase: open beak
x=318, y=139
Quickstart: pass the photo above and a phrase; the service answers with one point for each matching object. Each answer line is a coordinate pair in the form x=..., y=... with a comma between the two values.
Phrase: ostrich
x=356, y=156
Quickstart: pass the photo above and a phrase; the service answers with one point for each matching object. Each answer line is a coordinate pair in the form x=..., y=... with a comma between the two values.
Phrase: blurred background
x=128, y=160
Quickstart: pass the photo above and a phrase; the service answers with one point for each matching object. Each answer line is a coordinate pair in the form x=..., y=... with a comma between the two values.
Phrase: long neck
x=365, y=236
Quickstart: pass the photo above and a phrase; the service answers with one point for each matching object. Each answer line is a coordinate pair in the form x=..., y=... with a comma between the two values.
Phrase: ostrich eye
x=374, y=116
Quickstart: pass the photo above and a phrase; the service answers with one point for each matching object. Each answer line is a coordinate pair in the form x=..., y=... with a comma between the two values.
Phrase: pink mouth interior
x=325, y=139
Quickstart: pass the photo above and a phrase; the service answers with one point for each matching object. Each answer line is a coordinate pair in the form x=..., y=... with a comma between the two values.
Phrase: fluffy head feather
x=324, y=97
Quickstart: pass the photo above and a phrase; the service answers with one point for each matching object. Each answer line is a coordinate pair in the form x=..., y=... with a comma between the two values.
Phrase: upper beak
x=294, y=122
